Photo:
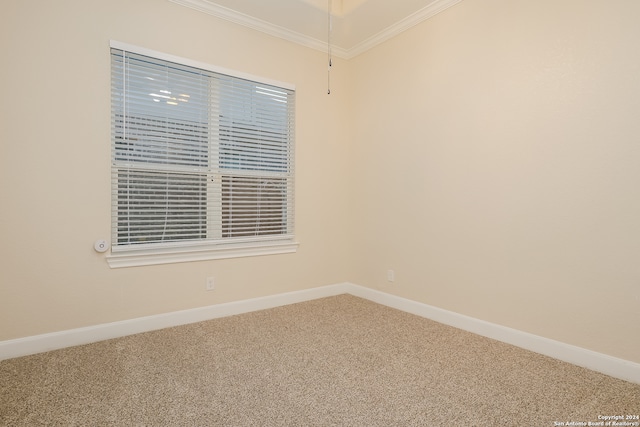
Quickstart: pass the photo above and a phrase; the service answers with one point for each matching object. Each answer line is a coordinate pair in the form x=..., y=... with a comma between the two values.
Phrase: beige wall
x=489, y=156
x=55, y=142
x=497, y=167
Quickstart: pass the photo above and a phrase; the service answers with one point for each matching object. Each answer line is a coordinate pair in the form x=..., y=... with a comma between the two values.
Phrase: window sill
x=170, y=256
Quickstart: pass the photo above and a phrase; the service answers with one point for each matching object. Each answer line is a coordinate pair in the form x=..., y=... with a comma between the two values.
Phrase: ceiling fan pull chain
x=329, y=29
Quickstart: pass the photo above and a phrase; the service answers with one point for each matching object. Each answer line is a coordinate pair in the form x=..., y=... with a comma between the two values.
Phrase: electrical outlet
x=391, y=275
x=211, y=284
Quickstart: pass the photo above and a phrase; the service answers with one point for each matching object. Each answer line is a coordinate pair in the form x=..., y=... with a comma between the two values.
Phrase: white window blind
x=198, y=157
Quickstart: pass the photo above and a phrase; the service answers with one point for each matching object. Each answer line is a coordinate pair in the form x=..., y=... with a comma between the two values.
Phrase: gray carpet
x=338, y=361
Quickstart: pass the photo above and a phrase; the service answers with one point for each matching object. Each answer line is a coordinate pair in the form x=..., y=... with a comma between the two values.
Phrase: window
x=202, y=161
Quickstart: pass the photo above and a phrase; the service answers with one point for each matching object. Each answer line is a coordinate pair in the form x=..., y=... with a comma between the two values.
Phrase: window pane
x=159, y=207
x=148, y=139
x=254, y=129
x=253, y=206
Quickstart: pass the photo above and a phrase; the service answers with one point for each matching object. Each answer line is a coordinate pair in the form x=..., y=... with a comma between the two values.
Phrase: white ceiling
x=357, y=25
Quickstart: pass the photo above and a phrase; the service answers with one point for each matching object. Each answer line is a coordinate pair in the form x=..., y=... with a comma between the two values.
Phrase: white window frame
x=152, y=254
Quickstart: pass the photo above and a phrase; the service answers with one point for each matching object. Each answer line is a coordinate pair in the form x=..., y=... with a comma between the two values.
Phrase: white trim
x=313, y=43
x=609, y=365
x=195, y=253
x=401, y=26
x=259, y=25
x=174, y=252
x=73, y=337
x=198, y=64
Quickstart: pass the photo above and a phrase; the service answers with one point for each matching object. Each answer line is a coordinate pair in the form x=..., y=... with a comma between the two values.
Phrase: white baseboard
x=612, y=366
x=73, y=337
x=609, y=365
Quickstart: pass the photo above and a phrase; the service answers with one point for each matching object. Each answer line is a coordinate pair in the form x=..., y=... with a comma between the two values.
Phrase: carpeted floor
x=337, y=361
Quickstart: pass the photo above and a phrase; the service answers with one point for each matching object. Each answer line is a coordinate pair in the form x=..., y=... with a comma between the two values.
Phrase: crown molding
x=259, y=25
x=401, y=26
x=277, y=31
